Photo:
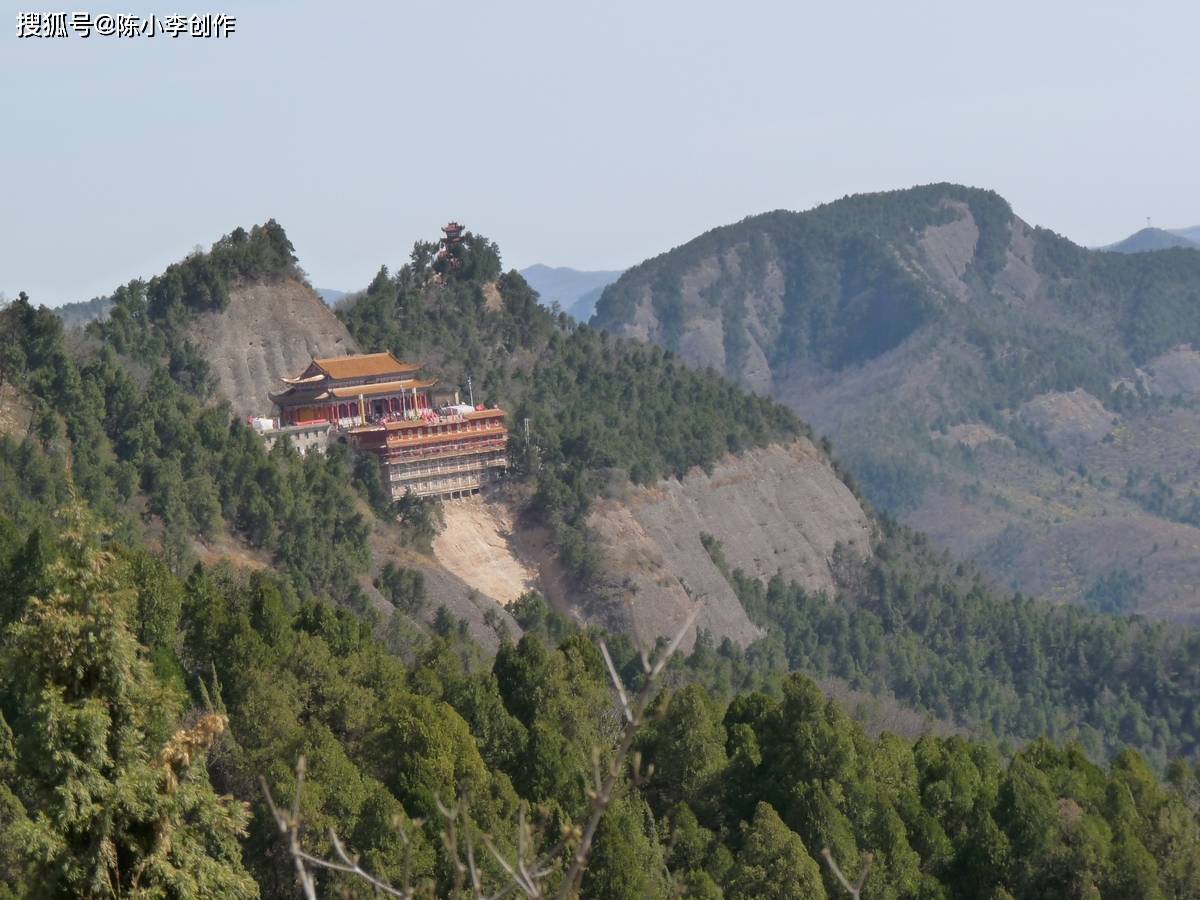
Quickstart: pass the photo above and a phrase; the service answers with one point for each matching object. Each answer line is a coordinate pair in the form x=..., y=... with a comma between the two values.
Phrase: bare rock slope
x=475, y=546
x=267, y=331
x=776, y=509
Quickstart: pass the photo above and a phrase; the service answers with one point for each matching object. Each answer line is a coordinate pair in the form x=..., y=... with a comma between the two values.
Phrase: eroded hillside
x=269, y=329
x=777, y=509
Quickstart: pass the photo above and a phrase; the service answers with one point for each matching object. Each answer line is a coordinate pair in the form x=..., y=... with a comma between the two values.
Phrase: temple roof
x=383, y=387
x=364, y=365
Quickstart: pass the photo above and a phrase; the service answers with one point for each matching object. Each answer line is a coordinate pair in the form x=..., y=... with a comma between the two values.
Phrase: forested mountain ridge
x=1026, y=401
x=144, y=695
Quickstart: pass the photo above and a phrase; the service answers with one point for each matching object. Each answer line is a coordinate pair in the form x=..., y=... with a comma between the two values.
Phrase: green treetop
x=117, y=798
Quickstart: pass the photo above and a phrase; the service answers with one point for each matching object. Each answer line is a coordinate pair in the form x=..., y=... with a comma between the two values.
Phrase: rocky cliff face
x=269, y=330
x=774, y=510
x=779, y=509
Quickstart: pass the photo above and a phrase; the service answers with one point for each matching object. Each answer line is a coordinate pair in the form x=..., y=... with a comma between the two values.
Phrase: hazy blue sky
x=583, y=134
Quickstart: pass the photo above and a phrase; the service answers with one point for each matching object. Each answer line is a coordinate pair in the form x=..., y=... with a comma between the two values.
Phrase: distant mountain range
x=1157, y=239
x=1192, y=234
x=574, y=290
x=330, y=296
x=1029, y=403
x=77, y=315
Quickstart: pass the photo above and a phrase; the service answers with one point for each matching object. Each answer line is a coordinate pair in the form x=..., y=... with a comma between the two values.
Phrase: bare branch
x=854, y=890
x=616, y=680
x=289, y=825
x=605, y=790
x=527, y=872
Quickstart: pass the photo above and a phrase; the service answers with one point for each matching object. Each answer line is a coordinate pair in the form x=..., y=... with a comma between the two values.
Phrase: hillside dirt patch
x=1175, y=372
x=1072, y=419
x=229, y=549
x=476, y=546
x=972, y=434
x=268, y=331
x=15, y=411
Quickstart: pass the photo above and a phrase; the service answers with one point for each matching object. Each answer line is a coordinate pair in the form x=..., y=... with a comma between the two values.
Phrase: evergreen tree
x=116, y=792
x=773, y=863
x=626, y=860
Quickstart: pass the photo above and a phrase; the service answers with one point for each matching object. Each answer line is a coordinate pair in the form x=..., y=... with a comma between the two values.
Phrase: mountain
x=574, y=290
x=1192, y=234
x=640, y=492
x=330, y=296
x=77, y=315
x=584, y=306
x=1030, y=404
x=268, y=330
x=1153, y=239
x=588, y=536
x=199, y=625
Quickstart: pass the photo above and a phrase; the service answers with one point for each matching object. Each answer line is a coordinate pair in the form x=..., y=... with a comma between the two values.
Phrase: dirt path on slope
x=474, y=546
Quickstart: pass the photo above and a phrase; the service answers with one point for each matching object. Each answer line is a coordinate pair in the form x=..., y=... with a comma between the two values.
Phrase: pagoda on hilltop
x=426, y=441
x=449, y=253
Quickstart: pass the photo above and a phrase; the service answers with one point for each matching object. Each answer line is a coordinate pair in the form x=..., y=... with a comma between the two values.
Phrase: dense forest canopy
x=142, y=694
x=909, y=623
x=742, y=795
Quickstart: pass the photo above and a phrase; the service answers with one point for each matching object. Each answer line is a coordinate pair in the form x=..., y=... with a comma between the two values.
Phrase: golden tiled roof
x=364, y=365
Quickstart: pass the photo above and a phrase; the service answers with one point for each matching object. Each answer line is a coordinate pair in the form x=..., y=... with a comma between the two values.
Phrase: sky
x=583, y=134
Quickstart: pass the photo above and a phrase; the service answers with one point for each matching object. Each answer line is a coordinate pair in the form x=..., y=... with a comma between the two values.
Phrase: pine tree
x=774, y=863
x=118, y=800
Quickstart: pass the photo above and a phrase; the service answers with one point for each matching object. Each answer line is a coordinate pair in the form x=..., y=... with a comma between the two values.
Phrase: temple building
x=353, y=390
x=426, y=440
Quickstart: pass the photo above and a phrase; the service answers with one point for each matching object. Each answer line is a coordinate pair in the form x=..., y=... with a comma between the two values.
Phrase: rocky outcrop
x=776, y=509
x=1071, y=419
x=1175, y=373
x=15, y=411
x=946, y=251
x=268, y=330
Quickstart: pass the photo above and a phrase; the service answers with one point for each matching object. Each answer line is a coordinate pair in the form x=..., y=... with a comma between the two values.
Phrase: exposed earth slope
x=777, y=509
x=269, y=329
